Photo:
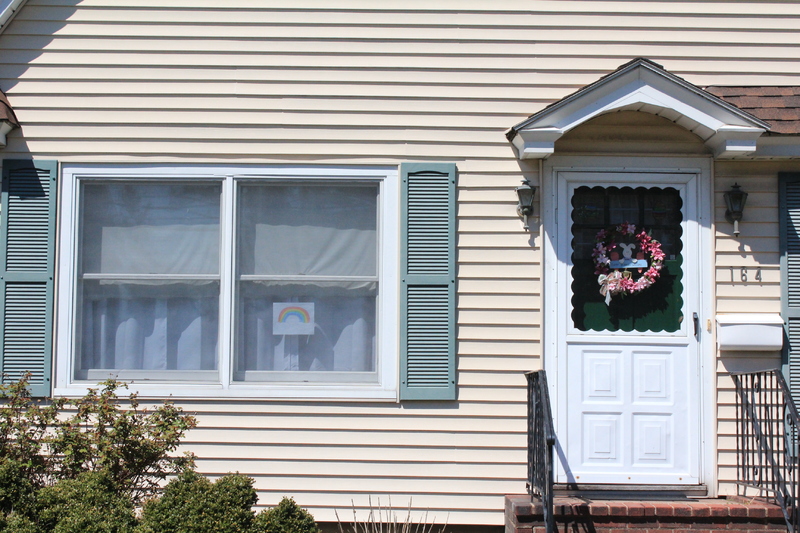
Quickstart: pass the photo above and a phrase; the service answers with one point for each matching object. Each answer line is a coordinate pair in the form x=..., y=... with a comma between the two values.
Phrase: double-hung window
x=211, y=281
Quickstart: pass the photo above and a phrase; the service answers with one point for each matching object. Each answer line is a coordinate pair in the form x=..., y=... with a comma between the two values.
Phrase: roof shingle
x=6, y=113
x=779, y=106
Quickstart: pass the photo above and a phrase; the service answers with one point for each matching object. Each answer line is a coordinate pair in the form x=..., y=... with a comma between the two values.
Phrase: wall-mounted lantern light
x=735, y=200
x=525, y=193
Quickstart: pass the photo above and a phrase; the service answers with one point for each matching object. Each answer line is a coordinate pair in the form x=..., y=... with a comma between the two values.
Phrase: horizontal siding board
x=399, y=64
x=480, y=443
x=96, y=107
x=301, y=420
x=499, y=7
x=274, y=119
x=375, y=82
x=466, y=49
x=755, y=305
x=525, y=316
x=348, y=454
x=406, y=17
x=300, y=133
x=386, y=485
x=523, y=34
x=373, y=471
x=278, y=148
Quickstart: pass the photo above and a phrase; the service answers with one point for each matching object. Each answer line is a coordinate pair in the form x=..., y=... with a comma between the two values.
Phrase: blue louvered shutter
x=28, y=259
x=428, y=282
x=789, y=208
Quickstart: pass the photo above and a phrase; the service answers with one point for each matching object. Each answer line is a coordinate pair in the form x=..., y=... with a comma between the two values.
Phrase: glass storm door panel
x=654, y=210
x=628, y=369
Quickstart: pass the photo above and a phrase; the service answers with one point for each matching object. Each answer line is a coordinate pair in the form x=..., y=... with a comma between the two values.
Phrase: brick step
x=575, y=514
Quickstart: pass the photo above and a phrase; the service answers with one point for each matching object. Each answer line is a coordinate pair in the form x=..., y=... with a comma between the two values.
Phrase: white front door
x=628, y=388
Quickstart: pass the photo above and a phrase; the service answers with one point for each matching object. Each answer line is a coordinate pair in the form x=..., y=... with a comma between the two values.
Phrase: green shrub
x=192, y=504
x=131, y=445
x=89, y=503
x=84, y=465
x=24, y=424
x=286, y=517
x=18, y=523
x=64, y=438
x=17, y=489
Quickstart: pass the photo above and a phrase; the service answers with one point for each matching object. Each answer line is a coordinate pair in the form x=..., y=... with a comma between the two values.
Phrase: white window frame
x=388, y=319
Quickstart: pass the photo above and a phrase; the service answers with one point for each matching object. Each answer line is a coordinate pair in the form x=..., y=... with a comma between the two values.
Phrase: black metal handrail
x=541, y=439
x=766, y=440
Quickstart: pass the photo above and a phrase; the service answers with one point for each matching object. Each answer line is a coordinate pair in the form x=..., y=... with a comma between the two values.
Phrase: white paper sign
x=293, y=318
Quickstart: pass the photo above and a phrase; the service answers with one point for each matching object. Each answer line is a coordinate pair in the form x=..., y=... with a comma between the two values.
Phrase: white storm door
x=628, y=368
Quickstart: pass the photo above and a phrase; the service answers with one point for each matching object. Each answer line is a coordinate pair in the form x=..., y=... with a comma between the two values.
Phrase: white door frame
x=550, y=202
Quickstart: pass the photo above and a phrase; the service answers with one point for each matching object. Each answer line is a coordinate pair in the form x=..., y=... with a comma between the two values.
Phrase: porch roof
x=642, y=85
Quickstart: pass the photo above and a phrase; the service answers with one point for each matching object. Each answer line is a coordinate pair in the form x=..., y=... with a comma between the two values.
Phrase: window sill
x=242, y=391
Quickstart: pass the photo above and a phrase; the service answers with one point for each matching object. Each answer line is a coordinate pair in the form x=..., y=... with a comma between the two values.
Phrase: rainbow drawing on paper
x=289, y=313
x=293, y=318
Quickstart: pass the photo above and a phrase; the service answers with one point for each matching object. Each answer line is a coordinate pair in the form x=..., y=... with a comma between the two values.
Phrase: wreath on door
x=618, y=252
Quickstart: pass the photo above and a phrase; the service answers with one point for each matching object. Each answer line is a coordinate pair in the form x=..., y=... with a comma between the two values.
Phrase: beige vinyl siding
x=758, y=246
x=354, y=82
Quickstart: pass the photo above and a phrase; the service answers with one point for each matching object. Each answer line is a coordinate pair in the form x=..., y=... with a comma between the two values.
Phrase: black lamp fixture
x=735, y=200
x=525, y=193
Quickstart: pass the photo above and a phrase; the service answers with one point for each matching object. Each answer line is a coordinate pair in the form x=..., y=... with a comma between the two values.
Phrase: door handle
x=696, y=321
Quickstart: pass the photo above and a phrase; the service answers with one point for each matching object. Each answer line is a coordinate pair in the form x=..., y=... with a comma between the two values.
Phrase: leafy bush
x=130, y=445
x=89, y=503
x=192, y=504
x=84, y=465
x=18, y=523
x=64, y=438
x=17, y=490
x=24, y=434
x=286, y=517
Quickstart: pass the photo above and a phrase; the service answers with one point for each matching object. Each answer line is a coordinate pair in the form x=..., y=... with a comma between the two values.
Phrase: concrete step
x=581, y=514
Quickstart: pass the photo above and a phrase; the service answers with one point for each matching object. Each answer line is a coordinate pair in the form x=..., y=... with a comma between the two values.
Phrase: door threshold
x=631, y=492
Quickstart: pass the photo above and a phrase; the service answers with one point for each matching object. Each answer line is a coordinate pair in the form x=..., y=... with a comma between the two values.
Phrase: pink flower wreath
x=618, y=281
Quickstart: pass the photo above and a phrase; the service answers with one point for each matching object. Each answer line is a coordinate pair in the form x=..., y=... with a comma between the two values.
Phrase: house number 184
x=743, y=274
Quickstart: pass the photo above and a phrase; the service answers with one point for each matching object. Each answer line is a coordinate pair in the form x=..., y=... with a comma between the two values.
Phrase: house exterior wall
x=100, y=81
x=756, y=248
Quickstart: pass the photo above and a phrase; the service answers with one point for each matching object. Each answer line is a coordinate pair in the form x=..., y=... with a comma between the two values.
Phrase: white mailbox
x=750, y=332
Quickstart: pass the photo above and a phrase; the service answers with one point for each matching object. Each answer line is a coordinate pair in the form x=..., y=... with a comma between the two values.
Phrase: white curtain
x=130, y=229
x=321, y=230
x=294, y=230
x=343, y=339
x=150, y=333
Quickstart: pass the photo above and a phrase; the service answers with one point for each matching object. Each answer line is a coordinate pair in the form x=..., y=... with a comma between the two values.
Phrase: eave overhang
x=642, y=85
x=8, y=121
x=8, y=9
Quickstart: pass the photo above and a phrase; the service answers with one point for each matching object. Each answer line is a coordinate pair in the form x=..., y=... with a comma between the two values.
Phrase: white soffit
x=642, y=85
x=5, y=127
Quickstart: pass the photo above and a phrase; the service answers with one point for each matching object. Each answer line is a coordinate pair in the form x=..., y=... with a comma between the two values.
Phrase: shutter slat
x=28, y=235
